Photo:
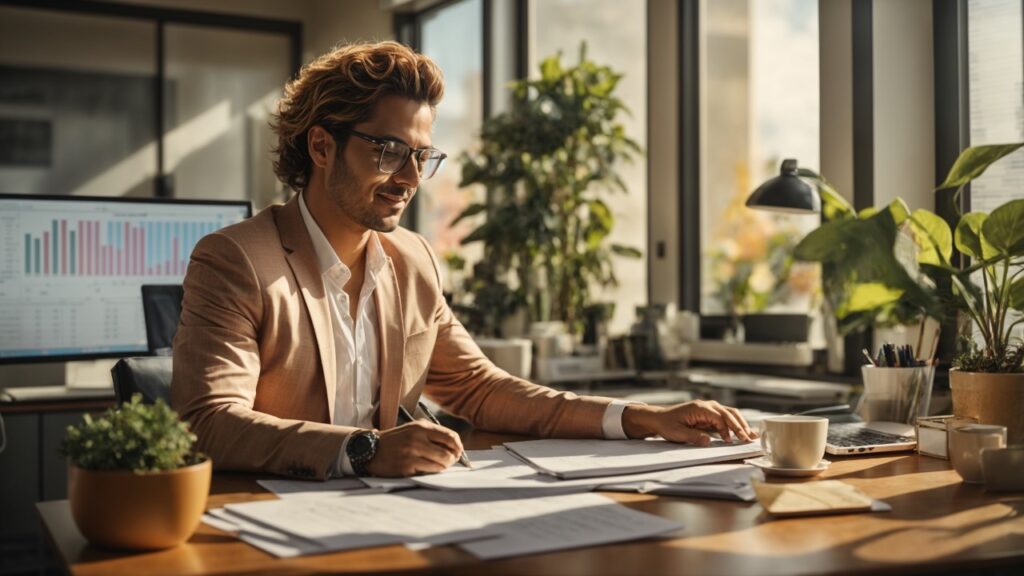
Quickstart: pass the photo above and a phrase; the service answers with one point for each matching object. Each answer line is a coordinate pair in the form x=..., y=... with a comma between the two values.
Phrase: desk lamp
x=787, y=192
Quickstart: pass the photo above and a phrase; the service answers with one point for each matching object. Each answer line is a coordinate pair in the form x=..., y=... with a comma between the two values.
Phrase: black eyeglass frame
x=383, y=143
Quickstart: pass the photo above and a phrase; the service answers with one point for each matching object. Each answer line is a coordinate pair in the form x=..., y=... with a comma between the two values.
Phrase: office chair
x=147, y=375
x=161, y=307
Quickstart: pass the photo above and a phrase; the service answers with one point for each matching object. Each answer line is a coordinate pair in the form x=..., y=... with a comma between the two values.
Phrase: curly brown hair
x=340, y=88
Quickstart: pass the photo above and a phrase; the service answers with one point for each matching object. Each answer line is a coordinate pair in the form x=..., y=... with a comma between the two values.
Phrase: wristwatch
x=361, y=448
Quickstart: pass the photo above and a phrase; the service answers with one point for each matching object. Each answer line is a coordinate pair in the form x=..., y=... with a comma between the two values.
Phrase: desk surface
x=937, y=523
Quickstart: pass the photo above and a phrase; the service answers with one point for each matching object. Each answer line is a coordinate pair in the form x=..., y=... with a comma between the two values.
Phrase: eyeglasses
x=394, y=154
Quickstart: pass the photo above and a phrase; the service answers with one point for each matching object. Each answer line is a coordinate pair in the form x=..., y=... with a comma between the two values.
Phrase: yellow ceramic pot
x=992, y=399
x=144, y=511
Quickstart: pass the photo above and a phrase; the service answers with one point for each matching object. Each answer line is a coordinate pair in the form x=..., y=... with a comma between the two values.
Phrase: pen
x=463, y=459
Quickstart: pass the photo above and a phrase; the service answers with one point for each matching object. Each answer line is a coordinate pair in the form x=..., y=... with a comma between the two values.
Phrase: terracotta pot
x=992, y=399
x=146, y=511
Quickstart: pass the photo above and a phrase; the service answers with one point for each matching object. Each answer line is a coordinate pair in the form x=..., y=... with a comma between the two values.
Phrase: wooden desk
x=937, y=524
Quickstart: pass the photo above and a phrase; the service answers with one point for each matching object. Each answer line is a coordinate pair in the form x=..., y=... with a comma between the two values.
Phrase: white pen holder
x=896, y=394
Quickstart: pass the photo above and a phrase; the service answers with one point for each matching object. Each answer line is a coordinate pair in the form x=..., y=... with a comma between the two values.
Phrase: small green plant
x=135, y=436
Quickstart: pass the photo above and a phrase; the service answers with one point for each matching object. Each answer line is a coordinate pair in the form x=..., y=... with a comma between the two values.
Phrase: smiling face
x=367, y=197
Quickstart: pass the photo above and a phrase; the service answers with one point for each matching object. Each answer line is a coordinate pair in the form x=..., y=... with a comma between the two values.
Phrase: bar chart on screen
x=71, y=269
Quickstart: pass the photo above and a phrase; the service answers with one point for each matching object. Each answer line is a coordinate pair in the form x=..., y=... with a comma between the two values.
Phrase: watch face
x=361, y=444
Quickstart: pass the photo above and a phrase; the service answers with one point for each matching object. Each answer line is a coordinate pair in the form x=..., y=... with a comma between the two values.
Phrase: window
x=995, y=77
x=615, y=33
x=452, y=35
x=995, y=53
x=759, y=105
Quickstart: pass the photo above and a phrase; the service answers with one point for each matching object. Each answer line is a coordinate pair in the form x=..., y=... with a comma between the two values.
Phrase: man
x=304, y=327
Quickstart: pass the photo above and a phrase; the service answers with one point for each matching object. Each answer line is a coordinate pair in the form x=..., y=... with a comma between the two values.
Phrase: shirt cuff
x=342, y=466
x=611, y=424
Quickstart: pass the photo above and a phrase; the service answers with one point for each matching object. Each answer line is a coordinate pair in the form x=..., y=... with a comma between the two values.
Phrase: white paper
x=500, y=469
x=530, y=524
x=290, y=488
x=590, y=458
x=267, y=539
x=362, y=521
x=723, y=481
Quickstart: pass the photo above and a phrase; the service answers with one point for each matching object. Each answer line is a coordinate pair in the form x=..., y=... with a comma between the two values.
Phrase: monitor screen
x=72, y=269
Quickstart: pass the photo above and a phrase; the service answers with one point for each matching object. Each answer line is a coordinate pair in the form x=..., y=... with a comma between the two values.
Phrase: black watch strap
x=361, y=449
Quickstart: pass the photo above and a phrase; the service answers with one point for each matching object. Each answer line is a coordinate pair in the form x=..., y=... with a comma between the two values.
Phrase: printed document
x=589, y=458
x=529, y=524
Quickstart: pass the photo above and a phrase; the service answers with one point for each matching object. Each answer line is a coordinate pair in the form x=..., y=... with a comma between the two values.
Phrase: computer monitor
x=72, y=269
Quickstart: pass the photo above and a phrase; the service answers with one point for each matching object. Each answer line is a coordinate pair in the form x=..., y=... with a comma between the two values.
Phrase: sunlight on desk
x=953, y=534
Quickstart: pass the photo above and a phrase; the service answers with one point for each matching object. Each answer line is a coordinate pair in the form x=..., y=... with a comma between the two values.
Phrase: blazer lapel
x=392, y=346
x=302, y=259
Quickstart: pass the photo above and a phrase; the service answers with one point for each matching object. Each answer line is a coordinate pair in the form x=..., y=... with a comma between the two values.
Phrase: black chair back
x=161, y=307
x=147, y=375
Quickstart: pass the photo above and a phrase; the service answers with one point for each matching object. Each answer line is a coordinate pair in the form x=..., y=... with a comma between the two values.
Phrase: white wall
x=836, y=70
x=663, y=150
x=904, y=111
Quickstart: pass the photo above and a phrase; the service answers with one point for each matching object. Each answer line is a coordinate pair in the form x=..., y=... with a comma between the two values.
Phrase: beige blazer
x=254, y=371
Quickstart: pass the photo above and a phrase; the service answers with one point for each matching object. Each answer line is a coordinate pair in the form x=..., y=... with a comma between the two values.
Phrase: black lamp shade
x=787, y=192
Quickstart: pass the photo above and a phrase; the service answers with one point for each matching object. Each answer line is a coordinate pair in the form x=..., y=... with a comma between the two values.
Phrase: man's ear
x=321, y=146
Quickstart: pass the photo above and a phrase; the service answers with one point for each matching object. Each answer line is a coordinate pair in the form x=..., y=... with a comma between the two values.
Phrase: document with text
x=589, y=458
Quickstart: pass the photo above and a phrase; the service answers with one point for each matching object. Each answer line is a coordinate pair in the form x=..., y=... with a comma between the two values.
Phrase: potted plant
x=547, y=163
x=895, y=262
x=987, y=381
x=134, y=480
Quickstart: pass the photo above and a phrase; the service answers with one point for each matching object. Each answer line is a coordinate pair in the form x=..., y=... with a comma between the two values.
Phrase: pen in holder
x=896, y=394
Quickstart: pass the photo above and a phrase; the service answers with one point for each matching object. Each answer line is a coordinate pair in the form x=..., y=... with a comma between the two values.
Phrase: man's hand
x=687, y=422
x=418, y=447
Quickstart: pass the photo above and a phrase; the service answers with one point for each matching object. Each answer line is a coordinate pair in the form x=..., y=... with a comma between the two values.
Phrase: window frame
x=160, y=17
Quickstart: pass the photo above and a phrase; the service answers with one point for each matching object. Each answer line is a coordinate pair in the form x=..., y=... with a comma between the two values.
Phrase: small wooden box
x=932, y=434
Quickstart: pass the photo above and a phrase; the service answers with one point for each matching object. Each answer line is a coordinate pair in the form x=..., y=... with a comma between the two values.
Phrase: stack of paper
x=499, y=469
x=487, y=524
x=592, y=458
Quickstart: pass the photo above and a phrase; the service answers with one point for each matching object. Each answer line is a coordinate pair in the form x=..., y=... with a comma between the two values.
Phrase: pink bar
x=142, y=251
x=96, y=248
x=64, y=247
x=46, y=252
x=127, y=249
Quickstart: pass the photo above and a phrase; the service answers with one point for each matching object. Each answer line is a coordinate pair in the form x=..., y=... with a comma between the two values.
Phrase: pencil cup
x=896, y=394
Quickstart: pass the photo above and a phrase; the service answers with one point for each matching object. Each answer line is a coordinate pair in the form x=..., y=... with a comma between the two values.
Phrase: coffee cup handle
x=764, y=443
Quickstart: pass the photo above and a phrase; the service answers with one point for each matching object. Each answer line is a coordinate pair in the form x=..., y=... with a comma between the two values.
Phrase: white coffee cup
x=794, y=441
x=966, y=444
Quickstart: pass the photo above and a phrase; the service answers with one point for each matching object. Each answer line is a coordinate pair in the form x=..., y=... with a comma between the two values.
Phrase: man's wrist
x=638, y=421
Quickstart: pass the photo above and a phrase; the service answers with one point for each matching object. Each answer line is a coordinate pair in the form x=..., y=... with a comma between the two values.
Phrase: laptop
x=845, y=438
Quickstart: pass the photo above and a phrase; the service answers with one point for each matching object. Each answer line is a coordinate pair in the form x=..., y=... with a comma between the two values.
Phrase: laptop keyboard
x=851, y=435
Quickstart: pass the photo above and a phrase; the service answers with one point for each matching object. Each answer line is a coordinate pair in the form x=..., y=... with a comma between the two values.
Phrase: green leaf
x=1004, y=228
x=864, y=297
x=968, y=238
x=1017, y=294
x=973, y=162
x=934, y=237
x=626, y=251
x=471, y=210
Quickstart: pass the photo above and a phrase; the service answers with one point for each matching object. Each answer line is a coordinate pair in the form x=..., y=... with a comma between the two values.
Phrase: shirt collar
x=327, y=258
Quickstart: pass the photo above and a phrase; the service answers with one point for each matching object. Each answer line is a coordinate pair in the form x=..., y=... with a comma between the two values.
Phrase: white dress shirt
x=355, y=340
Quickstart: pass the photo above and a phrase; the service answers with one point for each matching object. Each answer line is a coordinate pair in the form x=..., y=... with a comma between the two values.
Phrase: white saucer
x=766, y=465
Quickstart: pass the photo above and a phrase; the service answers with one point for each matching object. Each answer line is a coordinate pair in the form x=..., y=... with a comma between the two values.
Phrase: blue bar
x=71, y=248
x=55, y=269
x=28, y=253
x=38, y=257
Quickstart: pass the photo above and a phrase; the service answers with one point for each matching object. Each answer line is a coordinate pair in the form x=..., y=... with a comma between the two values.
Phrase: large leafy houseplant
x=547, y=164
x=872, y=260
x=134, y=480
